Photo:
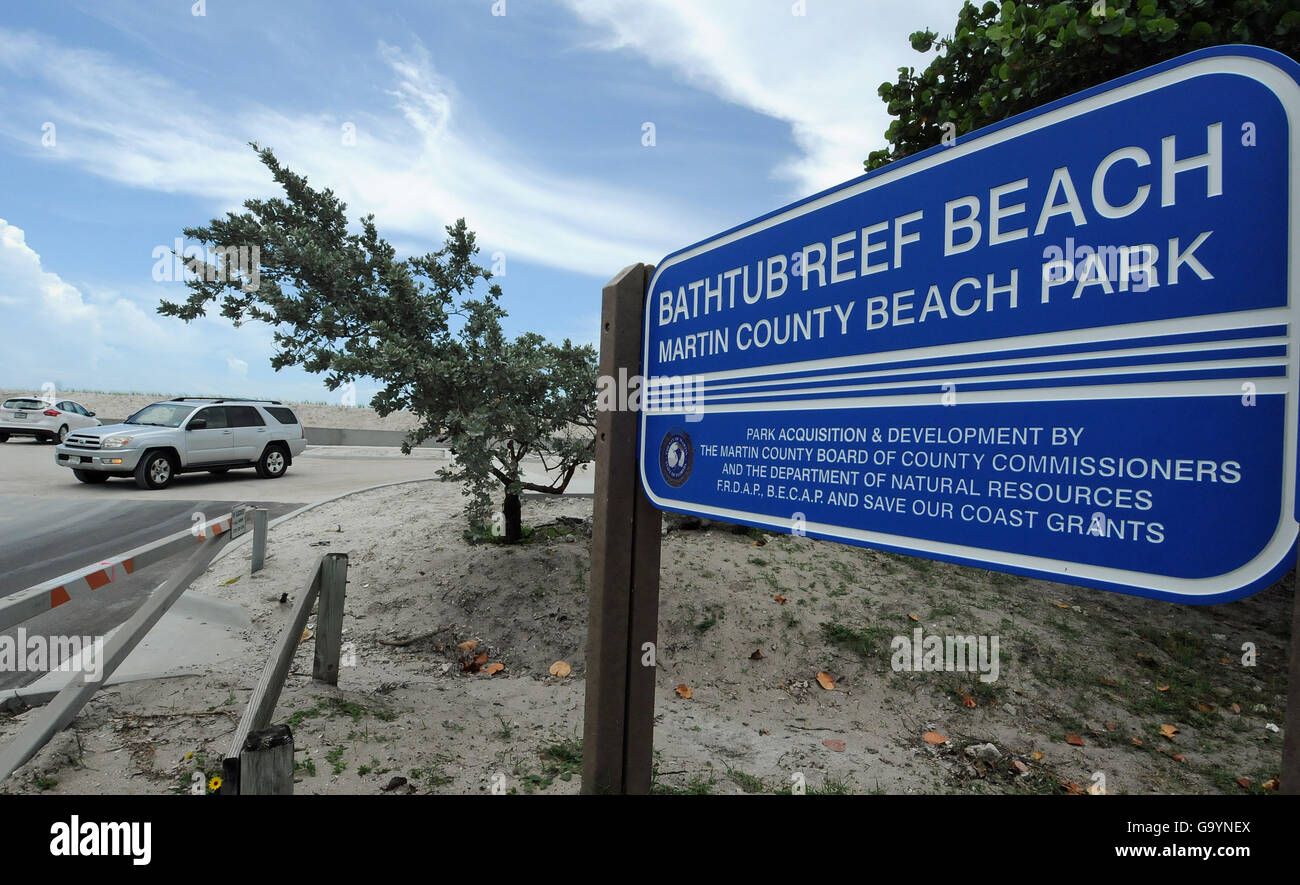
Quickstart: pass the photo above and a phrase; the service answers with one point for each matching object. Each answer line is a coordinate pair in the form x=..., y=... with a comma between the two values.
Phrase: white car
x=46, y=419
x=187, y=435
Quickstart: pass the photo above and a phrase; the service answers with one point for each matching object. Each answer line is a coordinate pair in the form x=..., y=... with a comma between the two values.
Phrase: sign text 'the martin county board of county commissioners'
x=1063, y=346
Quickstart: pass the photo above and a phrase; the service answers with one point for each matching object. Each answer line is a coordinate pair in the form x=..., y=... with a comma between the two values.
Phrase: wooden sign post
x=1291, y=738
x=623, y=626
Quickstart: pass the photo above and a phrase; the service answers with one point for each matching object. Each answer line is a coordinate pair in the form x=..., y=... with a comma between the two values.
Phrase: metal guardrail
x=65, y=705
x=38, y=599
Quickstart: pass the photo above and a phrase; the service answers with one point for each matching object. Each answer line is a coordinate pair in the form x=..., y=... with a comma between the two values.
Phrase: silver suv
x=187, y=435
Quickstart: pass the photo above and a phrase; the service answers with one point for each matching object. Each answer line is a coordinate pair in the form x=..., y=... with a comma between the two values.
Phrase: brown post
x=623, y=624
x=1291, y=739
x=266, y=763
x=329, y=618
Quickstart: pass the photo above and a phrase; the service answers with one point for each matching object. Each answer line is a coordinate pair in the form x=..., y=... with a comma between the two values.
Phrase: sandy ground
x=119, y=405
x=1087, y=680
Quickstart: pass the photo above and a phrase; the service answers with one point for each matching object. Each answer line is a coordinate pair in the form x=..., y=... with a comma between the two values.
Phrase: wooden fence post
x=259, y=539
x=622, y=630
x=266, y=763
x=329, y=618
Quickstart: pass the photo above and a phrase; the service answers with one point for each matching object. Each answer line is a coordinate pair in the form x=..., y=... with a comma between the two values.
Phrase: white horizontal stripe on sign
x=1250, y=363
x=1245, y=319
x=1160, y=389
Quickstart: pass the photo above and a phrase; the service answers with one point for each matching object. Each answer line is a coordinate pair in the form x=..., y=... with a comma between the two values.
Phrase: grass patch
x=870, y=643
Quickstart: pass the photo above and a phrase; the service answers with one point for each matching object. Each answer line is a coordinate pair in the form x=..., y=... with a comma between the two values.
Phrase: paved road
x=51, y=524
x=28, y=468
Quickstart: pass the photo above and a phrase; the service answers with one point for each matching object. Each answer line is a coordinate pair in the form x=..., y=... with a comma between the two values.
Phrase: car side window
x=283, y=415
x=79, y=408
x=244, y=416
x=215, y=416
x=65, y=407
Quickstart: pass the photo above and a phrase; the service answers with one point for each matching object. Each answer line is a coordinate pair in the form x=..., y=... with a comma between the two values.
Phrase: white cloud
x=818, y=72
x=54, y=332
x=415, y=166
x=236, y=367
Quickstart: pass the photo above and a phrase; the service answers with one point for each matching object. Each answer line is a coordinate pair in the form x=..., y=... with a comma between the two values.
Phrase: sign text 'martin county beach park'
x=1062, y=346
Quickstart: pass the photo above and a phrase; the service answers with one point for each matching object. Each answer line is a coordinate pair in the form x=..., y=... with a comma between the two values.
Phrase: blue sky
x=528, y=124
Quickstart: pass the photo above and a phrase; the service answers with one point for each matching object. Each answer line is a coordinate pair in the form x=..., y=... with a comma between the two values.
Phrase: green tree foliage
x=344, y=306
x=1002, y=60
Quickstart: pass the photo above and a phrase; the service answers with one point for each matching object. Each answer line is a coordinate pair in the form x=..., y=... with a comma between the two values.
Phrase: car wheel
x=90, y=476
x=4, y=437
x=154, y=471
x=63, y=433
x=273, y=463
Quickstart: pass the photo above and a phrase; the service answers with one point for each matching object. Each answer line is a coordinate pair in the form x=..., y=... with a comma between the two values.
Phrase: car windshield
x=23, y=403
x=161, y=415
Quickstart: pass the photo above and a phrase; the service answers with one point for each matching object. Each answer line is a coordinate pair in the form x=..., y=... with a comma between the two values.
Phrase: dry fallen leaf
x=933, y=738
x=837, y=746
x=1137, y=742
x=1074, y=740
x=825, y=681
x=1236, y=708
x=1270, y=784
x=494, y=667
x=561, y=669
x=1020, y=766
x=468, y=645
x=914, y=618
x=968, y=701
x=1060, y=605
x=1169, y=731
x=1073, y=789
x=306, y=634
x=756, y=656
x=1205, y=708
x=1036, y=755
x=480, y=658
x=779, y=599
x=684, y=691
x=1107, y=682
x=1180, y=758
x=1245, y=782
x=1160, y=687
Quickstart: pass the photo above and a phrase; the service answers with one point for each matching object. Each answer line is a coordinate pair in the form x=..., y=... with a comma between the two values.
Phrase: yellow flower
x=214, y=784
x=189, y=756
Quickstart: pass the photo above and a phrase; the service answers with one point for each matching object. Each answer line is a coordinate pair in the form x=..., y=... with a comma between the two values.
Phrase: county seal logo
x=676, y=457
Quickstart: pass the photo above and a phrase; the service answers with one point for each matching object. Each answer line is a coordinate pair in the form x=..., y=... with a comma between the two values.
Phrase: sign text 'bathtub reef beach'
x=1063, y=346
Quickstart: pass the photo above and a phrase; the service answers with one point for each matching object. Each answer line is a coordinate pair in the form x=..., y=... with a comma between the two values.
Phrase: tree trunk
x=514, y=519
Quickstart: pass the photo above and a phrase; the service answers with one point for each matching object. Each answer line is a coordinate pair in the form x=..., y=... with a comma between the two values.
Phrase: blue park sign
x=1063, y=346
